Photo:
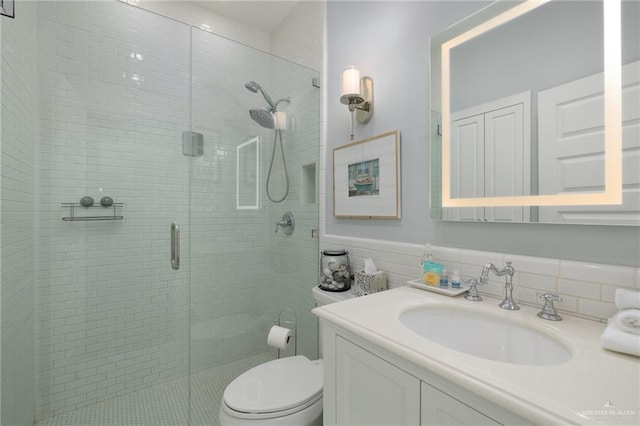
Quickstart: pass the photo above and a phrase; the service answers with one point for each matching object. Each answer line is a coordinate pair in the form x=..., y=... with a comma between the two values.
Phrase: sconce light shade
x=357, y=93
x=350, y=84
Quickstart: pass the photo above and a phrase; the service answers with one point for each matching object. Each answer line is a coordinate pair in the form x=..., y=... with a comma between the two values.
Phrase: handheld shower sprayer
x=264, y=117
x=268, y=118
x=255, y=87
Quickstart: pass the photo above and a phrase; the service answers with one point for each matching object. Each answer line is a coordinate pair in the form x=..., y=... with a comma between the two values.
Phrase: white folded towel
x=627, y=320
x=627, y=299
x=617, y=340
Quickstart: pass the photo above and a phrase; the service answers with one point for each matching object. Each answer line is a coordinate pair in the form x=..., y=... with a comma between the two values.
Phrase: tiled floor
x=165, y=404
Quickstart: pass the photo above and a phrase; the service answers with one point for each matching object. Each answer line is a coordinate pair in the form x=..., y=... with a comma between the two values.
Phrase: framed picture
x=366, y=178
x=7, y=8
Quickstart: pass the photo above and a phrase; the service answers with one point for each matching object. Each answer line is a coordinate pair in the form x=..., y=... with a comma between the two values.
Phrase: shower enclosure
x=119, y=335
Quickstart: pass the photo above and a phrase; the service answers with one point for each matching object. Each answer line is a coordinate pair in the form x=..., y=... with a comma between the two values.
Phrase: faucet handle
x=509, y=267
x=548, y=311
x=552, y=297
x=473, y=294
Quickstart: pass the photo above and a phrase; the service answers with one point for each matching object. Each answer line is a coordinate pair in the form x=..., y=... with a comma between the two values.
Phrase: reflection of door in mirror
x=491, y=157
x=571, y=157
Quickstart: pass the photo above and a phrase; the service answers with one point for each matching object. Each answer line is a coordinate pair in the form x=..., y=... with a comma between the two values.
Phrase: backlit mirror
x=536, y=114
x=247, y=173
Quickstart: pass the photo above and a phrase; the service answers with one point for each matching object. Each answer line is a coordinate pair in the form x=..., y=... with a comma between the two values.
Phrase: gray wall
x=390, y=42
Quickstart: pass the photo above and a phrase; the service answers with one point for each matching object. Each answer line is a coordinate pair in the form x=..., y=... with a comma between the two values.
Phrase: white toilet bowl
x=286, y=391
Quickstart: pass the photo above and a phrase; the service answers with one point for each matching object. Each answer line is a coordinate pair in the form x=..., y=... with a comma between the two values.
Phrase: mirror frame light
x=612, y=121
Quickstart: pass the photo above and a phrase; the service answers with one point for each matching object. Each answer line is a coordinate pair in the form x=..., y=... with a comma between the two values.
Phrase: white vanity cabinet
x=438, y=408
x=371, y=391
x=379, y=371
x=366, y=386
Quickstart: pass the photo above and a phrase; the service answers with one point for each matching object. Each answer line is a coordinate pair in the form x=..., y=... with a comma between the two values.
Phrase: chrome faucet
x=548, y=311
x=473, y=294
x=288, y=223
x=508, y=270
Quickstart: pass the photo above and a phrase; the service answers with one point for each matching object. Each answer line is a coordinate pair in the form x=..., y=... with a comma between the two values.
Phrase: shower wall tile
x=114, y=99
x=17, y=171
x=229, y=246
x=294, y=270
x=587, y=289
x=112, y=315
x=242, y=283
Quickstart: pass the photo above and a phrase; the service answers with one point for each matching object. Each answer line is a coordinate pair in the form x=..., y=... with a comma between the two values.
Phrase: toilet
x=285, y=391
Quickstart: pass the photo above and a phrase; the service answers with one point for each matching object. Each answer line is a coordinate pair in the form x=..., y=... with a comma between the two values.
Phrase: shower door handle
x=175, y=246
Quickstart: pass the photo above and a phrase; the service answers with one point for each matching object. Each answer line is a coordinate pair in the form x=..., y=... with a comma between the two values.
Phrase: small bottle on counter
x=444, y=279
x=455, y=279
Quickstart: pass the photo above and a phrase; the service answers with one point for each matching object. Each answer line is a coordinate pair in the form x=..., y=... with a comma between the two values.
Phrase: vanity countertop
x=596, y=386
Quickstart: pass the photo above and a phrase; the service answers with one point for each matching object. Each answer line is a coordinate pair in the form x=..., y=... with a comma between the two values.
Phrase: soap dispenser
x=431, y=271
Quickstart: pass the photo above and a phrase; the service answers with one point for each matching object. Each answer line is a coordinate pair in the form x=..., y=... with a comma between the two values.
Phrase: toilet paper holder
x=290, y=324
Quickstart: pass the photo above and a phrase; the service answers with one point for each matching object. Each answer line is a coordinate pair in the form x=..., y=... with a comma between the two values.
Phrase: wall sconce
x=357, y=93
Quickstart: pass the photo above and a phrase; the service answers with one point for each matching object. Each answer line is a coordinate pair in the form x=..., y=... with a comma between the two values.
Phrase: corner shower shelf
x=112, y=209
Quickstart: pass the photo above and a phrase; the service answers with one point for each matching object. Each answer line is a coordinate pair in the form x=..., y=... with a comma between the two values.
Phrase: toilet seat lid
x=276, y=385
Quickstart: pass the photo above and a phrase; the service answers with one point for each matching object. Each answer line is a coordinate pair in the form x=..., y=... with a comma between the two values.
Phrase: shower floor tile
x=165, y=404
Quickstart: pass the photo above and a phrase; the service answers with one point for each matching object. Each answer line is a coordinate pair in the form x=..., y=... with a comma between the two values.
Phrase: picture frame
x=366, y=178
x=7, y=8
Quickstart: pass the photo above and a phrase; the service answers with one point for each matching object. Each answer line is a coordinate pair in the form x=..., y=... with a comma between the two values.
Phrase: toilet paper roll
x=279, y=337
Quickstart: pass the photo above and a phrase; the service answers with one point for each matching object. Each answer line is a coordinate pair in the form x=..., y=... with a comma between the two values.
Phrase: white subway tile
x=579, y=288
x=596, y=309
x=476, y=257
x=535, y=265
x=540, y=282
x=102, y=129
x=568, y=304
x=608, y=293
x=446, y=254
x=599, y=273
x=527, y=295
x=530, y=277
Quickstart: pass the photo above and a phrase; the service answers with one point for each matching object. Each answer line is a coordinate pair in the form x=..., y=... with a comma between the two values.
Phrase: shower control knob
x=287, y=223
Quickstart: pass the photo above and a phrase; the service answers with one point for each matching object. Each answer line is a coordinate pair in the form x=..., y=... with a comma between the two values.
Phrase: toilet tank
x=323, y=297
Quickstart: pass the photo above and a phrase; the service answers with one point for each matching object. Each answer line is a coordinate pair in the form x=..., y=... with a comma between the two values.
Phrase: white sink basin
x=485, y=336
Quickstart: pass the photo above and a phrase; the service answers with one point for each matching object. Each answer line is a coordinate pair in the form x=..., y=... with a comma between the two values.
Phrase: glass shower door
x=243, y=273
x=112, y=315
x=122, y=337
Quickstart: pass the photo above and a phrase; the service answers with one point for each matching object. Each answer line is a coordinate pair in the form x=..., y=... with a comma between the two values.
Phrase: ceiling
x=264, y=15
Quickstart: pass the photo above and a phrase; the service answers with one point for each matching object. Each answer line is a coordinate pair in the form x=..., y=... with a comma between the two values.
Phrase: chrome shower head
x=263, y=117
x=254, y=87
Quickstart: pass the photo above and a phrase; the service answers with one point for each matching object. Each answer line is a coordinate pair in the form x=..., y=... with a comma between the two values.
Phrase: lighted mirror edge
x=599, y=198
x=613, y=117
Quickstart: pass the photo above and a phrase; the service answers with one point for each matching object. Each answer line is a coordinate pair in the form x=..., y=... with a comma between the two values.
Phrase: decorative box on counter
x=365, y=283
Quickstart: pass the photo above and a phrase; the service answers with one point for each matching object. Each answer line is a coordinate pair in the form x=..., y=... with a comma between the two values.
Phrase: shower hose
x=277, y=136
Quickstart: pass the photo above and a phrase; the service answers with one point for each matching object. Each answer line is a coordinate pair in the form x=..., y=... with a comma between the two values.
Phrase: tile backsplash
x=587, y=289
